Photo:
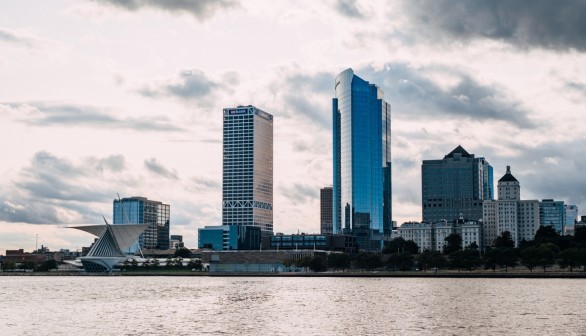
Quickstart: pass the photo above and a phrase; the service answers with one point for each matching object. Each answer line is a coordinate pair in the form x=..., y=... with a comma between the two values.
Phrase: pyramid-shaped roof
x=460, y=150
x=508, y=177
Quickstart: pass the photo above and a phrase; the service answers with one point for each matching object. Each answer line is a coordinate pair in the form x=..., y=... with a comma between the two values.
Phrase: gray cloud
x=51, y=186
x=558, y=25
x=50, y=177
x=348, y=8
x=303, y=94
x=115, y=163
x=155, y=167
x=413, y=94
x=12, y=37
x=300, y=193
x=549, y=170
x=321, y=82
x=577, y=87
x=78, y=115
x=200, y=9
x=202, y=183
x=301, y=104
x=190, y=86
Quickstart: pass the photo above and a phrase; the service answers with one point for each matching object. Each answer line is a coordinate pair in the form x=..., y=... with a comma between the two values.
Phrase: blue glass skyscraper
x=362, y=161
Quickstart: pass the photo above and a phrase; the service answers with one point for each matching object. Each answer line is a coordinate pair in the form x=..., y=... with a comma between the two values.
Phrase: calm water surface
x=290, y=306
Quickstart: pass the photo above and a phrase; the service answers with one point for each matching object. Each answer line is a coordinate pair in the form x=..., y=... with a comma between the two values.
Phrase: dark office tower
x=456, y=185
x=247, y=185
x=362, y=161
x=140, y=210
x=326, y=210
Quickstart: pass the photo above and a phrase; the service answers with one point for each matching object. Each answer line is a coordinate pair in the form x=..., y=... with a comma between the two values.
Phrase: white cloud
x=79, y=133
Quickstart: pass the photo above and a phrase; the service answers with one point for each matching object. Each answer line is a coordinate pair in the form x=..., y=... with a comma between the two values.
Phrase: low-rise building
x=266, y=261
x=431, y=236
x=337, y=242
x=229, y=237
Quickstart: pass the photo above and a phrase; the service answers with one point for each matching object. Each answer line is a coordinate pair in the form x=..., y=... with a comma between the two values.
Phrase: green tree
x=545, y=234
x=47, y=265
x=303, y=262
x=195, y=264
x=431, y=259
x=368, y=261
x=453, y=243
x=339, y=261
x=580, y=237
x=550, y=256
x=169, y=263
x=571, y=258
x=509, y=258
x=8, y=266
x=492, y=258
x=467, y=259
x=401, y=261
x=182, y=252
x=399, y=245
x=532, y=257
x=504, y=240
x=133, y=264
x=28, y=265
x=318, y=264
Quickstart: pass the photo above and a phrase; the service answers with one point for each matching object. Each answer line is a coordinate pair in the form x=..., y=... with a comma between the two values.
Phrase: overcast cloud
x=128, y=100
x=557, y=25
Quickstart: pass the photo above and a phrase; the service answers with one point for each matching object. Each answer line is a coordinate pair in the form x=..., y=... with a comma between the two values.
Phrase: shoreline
x=476, y=275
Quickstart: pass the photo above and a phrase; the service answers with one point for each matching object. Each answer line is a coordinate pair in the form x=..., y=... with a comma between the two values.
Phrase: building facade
x=552, y=213
x=326, y=242
x=431, y=236
x=509, y=213
x=455, y=186
x=140, y=210
x=326, y=211
x=362, y=161
x=528, y=217
x=247, y=182
x=571, y=218
x=229, y=237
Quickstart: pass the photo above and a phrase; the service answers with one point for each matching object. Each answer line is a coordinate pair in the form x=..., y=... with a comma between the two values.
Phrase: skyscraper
x=140, y=210
x=247, y=184
x=326, y=212
x=454, y=186
x=362, y=161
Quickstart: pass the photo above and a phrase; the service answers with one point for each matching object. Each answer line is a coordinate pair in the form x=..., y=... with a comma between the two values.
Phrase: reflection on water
x=290, y=306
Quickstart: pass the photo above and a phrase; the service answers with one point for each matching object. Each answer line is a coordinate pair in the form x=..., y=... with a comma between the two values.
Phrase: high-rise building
x=326, y=210
x=455, y=186
x=140, y=210
x=551, y=213
x=571, y=218
x=247, y=184
x=362, y=161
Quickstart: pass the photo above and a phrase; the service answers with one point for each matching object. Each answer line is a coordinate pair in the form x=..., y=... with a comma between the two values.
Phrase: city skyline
x=99, y=98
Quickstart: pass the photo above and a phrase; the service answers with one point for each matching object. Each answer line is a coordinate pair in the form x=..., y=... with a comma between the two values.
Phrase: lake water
x=84, y=305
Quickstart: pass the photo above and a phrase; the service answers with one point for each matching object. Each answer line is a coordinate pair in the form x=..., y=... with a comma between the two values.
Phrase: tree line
x=546, y=250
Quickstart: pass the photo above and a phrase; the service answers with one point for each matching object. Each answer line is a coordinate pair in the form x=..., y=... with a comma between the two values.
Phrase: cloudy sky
x=125, y=96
